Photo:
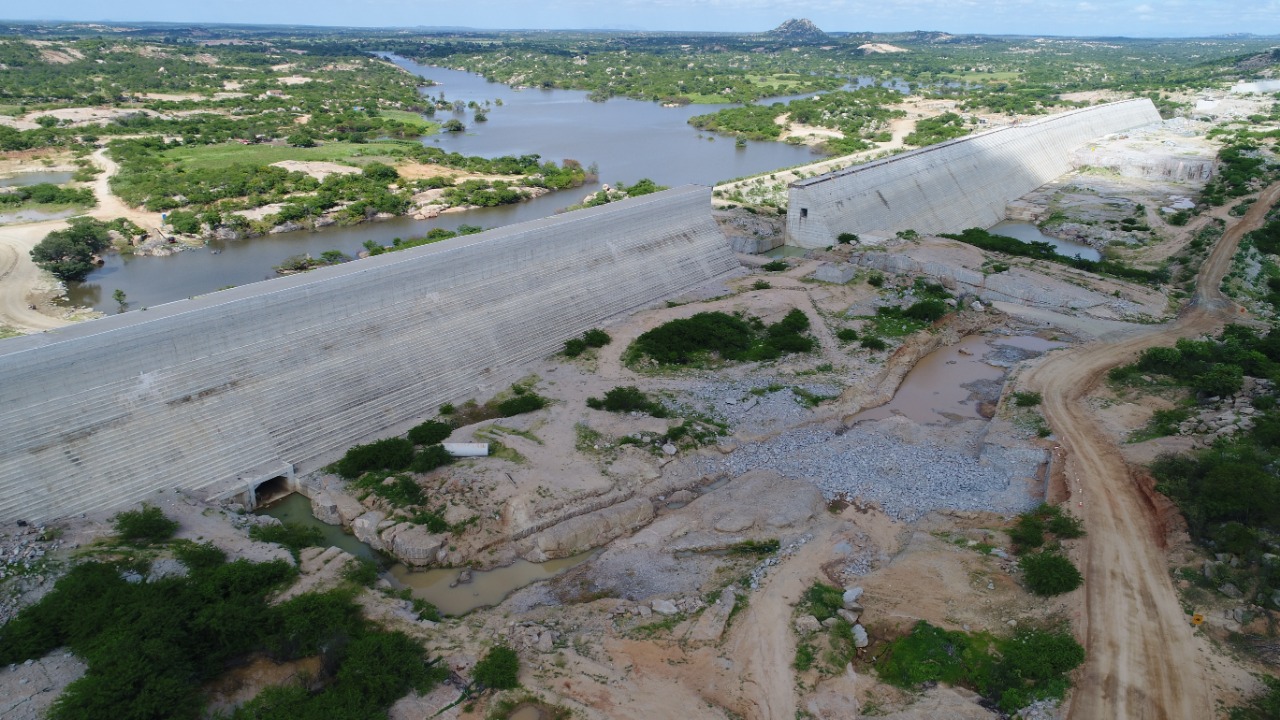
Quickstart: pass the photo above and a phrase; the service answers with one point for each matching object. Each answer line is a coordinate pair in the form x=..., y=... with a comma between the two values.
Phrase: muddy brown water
x=933, y=391
x=487, y=588
x=296, y=508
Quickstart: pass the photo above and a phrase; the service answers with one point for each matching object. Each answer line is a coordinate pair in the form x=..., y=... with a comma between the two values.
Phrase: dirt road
x=1143, y=659
x=19, y=277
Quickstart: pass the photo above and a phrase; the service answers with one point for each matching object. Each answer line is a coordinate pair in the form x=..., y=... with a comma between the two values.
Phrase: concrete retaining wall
x=954, y=185
x=222, y=391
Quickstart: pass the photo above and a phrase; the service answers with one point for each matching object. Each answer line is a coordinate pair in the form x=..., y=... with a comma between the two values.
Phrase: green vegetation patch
x=144, y=526
x=628, y=398
x=69, y=253
x=150, y=645
x=698, y=339
x=1013, y=672
x=498, y=669
x=1049, y=573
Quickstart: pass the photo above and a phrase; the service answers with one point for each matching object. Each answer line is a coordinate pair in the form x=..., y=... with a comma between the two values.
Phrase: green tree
x=69, y=253
x=119, y=297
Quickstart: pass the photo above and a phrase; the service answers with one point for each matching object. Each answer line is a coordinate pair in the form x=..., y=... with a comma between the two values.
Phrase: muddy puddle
x=1027, y=232
x=487, y=588
x=942, y=386
x=53, y=177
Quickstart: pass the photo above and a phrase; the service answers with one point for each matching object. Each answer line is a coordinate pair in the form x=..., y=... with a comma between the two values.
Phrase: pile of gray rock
x=1220, y=416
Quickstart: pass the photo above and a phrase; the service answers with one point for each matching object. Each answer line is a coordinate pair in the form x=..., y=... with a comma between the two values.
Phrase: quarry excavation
x=856, y=454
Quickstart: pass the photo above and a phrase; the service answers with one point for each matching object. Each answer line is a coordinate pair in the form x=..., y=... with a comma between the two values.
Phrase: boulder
x=664, y=607
x=365, y=528
x=860, y=639
x=849, y=616
x=807, y=625
x=711, y=623
x=839, y=273
x=413, y=544
x=851, y=596
x=325, y=509
x=1231, y=591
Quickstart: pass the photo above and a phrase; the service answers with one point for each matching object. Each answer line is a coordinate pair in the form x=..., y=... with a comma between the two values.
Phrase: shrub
x=761, y=285
x=1026, y=399
x=875, y=279
x=846, y=334
x=822, y=601
x=202, y=556
x=846, y=238
x=871, y=342
x=926, y=310
x=361, y=572
x=573, y=347
x=430, y=432
x=596, y=338
x=624, y=398
x=447, y=409
x=68, y=253
x=931, y=654
x=1066, y=526
x=145, y=526
x=391, y=454
x=1049, y=573
x=775, y=266
x=1027, y=532
x=520, y=404
x=430, y=458
x=679, y=341
x=498, y=669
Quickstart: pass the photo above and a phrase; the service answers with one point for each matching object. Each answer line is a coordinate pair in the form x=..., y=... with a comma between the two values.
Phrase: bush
x=391, y=454
x=430, y=458
x=822, y=601
x=1049, y=573
x=498, y=669
x=775, y=266
x=1027, y=532
x=846, y=334
x=846, y=238
x=431, y=432
x=1027, y=399
x=871, y=342
x=520, y=404
x=625, y=398
x=926, y=310
x=145, y=526
x=596, y=338
x=875, y=279
x=573, y=347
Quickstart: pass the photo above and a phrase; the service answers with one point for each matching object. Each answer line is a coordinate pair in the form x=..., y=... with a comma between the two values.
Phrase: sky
x=1132, y=18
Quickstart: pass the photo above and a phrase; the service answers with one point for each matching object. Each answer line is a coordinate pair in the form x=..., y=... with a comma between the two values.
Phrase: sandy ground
x=316, y=169
x=23, y=284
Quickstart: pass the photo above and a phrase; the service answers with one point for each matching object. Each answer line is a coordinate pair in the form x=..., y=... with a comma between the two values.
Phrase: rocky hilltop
x=798, y=29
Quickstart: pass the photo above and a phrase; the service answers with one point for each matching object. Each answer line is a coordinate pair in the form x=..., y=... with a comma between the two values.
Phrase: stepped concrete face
x=221, y=392
x=954, y=185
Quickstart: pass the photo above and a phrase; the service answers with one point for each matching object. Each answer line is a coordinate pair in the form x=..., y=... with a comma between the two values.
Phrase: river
x=626, y=139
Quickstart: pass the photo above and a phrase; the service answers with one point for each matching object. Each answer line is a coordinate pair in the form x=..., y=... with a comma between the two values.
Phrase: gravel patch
x=907, y=469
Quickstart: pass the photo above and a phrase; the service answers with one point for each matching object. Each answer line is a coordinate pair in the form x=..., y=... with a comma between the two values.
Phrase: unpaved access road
x=1143, y=659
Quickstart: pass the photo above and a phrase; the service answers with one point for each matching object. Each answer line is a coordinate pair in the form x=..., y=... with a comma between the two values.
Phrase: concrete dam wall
x=954, y=185
x=221, y=392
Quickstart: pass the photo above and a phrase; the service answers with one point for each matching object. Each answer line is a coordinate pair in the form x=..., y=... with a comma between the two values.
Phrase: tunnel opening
x=271, y=490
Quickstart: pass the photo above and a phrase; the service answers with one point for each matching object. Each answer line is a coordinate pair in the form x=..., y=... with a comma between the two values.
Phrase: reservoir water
x=626, y=139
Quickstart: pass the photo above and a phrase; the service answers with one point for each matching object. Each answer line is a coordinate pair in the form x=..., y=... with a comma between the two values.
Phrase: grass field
x=412, y=118
x=211, y=156
x=981, y=77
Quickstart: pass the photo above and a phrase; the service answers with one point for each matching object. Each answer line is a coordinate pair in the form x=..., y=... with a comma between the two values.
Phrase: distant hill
x=798, y=29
